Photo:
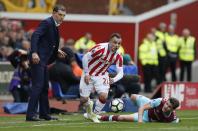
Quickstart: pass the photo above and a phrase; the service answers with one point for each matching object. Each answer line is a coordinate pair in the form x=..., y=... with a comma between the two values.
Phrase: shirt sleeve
x=119, y=69
x=85, y=60
x=155, y=102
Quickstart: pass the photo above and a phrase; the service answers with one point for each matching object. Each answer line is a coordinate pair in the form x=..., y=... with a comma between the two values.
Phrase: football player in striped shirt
x=95, y=76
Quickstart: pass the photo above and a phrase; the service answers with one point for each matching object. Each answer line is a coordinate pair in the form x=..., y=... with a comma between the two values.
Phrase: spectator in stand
x=5, y=52
x=85, y=43
x=127, y=60
x=187, y=53
x=2, y=36
x=70, y=43
x=74, y=63
x=29, y=34
x=13, y=40
x=5, y=24
x=25, y=45
x=62, y=73
x=129, y=84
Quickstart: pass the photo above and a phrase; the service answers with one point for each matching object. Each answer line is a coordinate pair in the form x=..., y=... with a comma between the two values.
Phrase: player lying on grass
x=155, y=110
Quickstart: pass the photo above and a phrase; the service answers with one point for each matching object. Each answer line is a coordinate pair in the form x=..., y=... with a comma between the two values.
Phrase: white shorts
x=100, y=84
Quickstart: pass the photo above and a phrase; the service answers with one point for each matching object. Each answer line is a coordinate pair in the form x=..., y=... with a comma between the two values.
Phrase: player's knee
x=102, y=99
x=83, y=99
x=122, y=118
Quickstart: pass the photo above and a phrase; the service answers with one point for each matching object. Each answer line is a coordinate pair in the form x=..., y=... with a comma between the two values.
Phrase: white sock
x=98, y=106
x=88, y=107
x=110, y=117
x=87, y=103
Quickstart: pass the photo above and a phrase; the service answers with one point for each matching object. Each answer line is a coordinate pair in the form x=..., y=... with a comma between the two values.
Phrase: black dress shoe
x=48, y=118
x=34, y=118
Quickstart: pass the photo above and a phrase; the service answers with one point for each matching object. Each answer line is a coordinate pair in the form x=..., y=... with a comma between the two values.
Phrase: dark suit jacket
x=45, y=41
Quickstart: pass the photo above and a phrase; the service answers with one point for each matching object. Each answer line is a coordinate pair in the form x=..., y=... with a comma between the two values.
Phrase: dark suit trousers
x=39, y=94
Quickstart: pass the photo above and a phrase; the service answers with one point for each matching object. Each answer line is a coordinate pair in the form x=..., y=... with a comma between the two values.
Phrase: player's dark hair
x=174, y=102
x=59, y=7
x=117, y=35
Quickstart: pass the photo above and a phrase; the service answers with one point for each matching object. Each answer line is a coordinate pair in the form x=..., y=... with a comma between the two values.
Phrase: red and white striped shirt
x=99, y=58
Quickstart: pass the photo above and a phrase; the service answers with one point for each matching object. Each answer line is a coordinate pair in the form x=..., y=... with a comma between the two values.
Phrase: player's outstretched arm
x=141, y=111
x=119, y=75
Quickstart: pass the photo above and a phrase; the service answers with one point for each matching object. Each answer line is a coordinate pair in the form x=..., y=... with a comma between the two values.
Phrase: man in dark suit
x=44, y=50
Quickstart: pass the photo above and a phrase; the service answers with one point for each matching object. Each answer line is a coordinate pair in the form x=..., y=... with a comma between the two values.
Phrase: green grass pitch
x=76, y=122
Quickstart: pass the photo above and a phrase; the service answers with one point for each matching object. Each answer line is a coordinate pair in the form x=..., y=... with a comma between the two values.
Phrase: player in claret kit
x=150, y=110
x=95, y=75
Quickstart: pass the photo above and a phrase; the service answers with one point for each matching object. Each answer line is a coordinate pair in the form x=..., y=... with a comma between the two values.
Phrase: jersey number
x=105, y=81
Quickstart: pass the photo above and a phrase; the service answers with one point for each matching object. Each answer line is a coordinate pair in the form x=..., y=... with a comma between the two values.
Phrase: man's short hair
x=70, y=56
x=174, y=102
x=59, y=7
x=68, y=51
x=117, y=35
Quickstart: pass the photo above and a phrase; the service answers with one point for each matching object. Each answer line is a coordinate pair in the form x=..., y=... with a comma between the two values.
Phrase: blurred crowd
x=13, y=36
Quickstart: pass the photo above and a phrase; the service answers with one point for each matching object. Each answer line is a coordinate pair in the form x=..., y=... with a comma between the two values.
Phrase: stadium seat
x=56, y=88
x=128, y=69
x=78, y=57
